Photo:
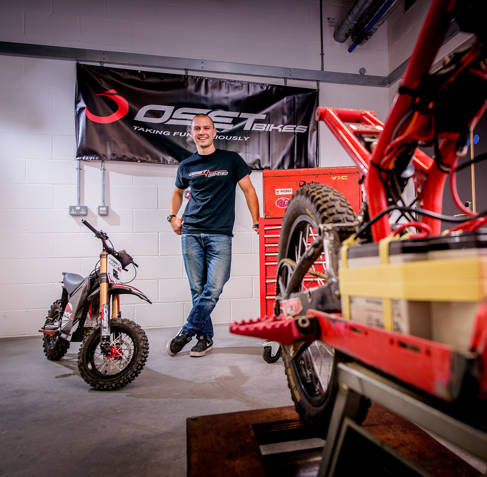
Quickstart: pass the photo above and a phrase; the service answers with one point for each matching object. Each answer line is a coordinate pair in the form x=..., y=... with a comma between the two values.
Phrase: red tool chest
x=278, y=187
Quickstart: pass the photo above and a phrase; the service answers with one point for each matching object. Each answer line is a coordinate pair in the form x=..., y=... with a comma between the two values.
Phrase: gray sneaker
x=202, y=347
x=174, y=346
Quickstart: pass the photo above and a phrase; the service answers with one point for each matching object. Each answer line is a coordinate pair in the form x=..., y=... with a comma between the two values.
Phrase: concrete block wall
x=252, y=32
x=39, y=239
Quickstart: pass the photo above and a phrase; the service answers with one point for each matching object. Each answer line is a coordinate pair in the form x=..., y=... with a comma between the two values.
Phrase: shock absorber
x=104, y=308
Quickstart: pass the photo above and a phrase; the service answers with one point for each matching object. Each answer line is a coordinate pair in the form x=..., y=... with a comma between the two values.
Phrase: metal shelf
x=355, y=380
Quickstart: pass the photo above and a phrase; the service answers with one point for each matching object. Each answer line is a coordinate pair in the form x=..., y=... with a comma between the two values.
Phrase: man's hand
x=174, y=205
x=176, y=224
x=252, y=200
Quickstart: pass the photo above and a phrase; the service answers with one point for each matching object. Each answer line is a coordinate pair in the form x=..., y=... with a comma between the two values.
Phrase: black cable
x=480, y=158
x=414, y=217
x=445, y=168
x=133, y=278
x=427, y=213
x=385, y=171
x=398, y=199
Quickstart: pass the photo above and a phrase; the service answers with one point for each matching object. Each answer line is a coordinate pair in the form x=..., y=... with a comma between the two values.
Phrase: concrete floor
x=53, y=424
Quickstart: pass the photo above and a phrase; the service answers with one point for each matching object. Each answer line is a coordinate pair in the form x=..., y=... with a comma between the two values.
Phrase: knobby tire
x=311, y=368
x=54, y=347
x=108, y=374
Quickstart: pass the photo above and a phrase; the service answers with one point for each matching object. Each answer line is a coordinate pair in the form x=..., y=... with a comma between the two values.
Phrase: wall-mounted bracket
x=103, y=209
x=78, y=209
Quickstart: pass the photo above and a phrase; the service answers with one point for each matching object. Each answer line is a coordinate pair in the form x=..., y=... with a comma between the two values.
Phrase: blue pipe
x=373, y=22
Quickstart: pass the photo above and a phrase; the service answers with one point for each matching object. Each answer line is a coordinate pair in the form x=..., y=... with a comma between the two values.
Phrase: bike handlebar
x=96, y=232
x=122, y=256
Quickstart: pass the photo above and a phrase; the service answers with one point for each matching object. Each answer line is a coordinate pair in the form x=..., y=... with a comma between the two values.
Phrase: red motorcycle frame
x=436, y=109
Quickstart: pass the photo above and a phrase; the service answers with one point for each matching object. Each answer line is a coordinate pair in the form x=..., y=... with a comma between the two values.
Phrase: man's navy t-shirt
x=212, y=178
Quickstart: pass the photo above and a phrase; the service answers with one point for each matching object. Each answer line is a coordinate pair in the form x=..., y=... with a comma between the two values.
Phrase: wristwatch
x=170, y=217
x=255, y=226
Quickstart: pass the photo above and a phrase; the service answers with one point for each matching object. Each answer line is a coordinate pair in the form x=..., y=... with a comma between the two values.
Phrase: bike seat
x=72, y=281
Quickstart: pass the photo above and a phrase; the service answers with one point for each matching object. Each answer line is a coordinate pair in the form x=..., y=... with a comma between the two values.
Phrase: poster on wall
x=141, y=116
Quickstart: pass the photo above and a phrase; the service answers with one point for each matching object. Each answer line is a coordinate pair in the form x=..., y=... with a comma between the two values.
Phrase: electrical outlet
x=78, y=210
x=103, y=210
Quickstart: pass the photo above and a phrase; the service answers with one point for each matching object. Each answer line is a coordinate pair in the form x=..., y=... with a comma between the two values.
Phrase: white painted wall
x=38, y=238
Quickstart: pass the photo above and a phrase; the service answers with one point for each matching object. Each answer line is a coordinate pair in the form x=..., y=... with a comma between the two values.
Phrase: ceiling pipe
x=379, y=18
x=366, y=18
x=322, y=53
x=343, y=31
x=363, y=20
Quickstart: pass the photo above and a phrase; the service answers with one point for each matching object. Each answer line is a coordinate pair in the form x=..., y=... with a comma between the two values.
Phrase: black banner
x=141, y=116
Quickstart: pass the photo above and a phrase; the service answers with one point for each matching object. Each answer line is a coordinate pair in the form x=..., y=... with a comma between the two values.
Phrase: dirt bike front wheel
x=54, y=346
x=311, y=368
x=129, y=349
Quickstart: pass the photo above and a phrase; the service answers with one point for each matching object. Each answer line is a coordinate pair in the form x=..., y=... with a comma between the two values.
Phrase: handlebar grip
x=85, y=222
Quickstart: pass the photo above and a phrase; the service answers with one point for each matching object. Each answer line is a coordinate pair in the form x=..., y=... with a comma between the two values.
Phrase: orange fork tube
x=104, y=308
x=115, y=306
x=103, y=280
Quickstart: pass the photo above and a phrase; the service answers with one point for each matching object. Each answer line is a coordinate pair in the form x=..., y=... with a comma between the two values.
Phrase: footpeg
x=286, y=331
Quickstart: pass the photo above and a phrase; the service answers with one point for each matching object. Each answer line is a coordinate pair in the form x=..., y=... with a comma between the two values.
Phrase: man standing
x=206, y=227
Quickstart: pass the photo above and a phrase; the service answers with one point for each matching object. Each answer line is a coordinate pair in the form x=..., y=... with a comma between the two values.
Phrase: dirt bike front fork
x=105, y=344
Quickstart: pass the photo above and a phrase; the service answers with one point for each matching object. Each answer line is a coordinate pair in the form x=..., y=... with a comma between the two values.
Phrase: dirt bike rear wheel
x=129, y=352
x=54, y=347
x=311, y=368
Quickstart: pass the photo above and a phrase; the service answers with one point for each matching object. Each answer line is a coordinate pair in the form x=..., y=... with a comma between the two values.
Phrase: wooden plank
x=228, y=444
x=415, y=445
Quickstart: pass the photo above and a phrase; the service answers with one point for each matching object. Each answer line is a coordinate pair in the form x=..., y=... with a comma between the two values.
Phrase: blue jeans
x=207, y=259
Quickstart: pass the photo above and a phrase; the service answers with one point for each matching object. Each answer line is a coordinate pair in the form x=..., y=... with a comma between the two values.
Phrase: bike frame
x=109, y=291
x=429, y=180
x=433, y=367
x=431, y=38
x=427, y=46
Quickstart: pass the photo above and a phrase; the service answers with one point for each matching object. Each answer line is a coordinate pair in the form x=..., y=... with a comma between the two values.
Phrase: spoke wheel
x=129, y=349
x=310, y=368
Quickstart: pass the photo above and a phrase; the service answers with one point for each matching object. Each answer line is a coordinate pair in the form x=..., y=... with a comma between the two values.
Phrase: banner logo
x=123, y=108
x=164, y=114
x=143, y=116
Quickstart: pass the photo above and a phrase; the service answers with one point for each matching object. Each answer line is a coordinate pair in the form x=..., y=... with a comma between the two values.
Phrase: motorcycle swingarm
x=323, y=298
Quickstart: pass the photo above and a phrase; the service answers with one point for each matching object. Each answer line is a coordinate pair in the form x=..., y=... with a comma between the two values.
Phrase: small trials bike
x=402, y=292
x=113, y=350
